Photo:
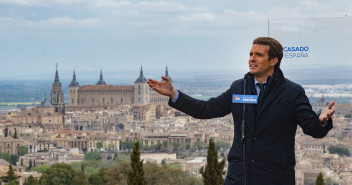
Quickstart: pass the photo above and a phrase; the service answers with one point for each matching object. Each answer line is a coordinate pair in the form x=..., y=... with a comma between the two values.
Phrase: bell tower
x=57, y=96
x=141, y=90
x=73, y=91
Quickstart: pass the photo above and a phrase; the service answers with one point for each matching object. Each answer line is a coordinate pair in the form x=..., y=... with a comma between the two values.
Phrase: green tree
x=223, y=145
x=99, y=145
x=158, y=146
x=13, y=159
x=176, y=145
x=199, y=145
x=31, y=181
x=341, y=151
x=41, y=169
x=161, y=175
x=58, y=174
x=214, y=170
x=80, y=178
x=320, y=180
x=126, y=145
x=93, y=156
x=14, y=183
x=10, y=176
x=98, y=178
x=22, y=150
x=30, y=165
x=15, y=134
x=118, y=173
x=330, y=181
x=136, y=173
x=6, y=156
x=165, y=144
x=90, y=167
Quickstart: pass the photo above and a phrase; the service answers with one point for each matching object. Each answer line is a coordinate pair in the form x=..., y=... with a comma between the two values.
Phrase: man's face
x=259, y=63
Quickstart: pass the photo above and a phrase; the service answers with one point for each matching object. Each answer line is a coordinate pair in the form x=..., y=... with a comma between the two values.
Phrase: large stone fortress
x=102, y=94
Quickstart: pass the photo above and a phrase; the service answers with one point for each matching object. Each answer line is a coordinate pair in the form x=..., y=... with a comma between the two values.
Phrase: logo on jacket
x=239, y=98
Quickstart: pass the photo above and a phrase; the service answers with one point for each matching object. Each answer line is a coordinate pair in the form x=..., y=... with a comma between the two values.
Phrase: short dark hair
x=275, y=49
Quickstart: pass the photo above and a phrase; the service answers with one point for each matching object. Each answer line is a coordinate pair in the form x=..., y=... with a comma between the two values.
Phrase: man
x=270, y=121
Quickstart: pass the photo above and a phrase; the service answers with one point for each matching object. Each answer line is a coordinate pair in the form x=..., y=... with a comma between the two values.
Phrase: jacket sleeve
x=308, y=119
x=214, y=107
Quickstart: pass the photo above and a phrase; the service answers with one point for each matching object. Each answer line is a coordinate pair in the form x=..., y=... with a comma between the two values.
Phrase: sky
x=92, y=35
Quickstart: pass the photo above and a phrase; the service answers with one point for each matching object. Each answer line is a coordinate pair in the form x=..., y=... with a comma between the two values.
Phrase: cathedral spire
x=167, y=74
x=57, y=95
x=101, y=80
x=74, y=82
x=56, y=76
x=141, y=78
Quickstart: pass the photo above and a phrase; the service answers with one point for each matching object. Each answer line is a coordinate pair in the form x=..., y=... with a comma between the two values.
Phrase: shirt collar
x=267, y=81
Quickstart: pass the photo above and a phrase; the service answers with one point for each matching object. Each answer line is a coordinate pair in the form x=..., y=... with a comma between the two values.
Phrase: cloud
x=67, y=22
x=23, y=3
x=195, y=18
x=49, y=3
x=16, y=27
x=157, y=17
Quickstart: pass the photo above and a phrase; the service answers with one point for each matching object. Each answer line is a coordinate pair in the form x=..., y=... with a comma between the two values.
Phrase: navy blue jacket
x=270, y=128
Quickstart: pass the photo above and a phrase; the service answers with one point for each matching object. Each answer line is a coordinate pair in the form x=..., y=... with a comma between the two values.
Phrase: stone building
x=36, y=120
x=102, y=94
x=10, y=145
x=85, y=140
x=54, y=155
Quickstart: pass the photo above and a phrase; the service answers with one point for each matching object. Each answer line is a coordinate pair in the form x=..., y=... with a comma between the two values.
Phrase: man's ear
x=274, y=61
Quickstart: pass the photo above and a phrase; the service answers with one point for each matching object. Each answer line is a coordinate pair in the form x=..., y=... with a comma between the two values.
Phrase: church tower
x=167, y=74
x=141, y=90
x=101, y=81
x=73, y=91
x=57, y=96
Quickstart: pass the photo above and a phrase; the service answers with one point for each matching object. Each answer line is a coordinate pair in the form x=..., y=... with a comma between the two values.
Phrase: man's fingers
x=151, y=80
x=165, y=78
x=331, y=104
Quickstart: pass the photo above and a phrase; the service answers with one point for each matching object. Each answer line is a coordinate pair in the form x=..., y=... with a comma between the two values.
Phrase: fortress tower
x=141, y=90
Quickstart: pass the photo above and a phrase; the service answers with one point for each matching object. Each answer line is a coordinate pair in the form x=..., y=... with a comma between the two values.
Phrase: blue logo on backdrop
x=296, y=52
x=240, y=98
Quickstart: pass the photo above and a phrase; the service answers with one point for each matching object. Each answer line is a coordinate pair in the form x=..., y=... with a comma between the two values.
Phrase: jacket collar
x=277, y=76
x=274, y=87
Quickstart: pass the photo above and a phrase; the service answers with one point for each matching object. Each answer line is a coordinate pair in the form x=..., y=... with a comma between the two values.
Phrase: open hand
x=163, y=87
x=326, y=113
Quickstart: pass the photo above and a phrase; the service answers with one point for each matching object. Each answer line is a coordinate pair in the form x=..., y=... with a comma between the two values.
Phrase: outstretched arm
x=327, y=113
x=163, y=87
